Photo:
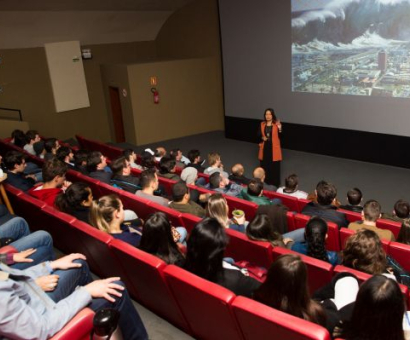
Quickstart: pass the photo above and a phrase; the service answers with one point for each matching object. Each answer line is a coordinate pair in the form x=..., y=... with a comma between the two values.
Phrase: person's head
x=65, y=154
x=315, y=235
x=149, y=180
x=176, y=154
x=80, y=158
x=404, y=234
x=19, y=138
x=269, y=115
x=130, y=155
x=76, y=196
x=292, y=182
x=194, y=156
x=214, y=159
x=259, y=173
x=189, y=175
x=217, y=207
x=371, y=211
x=238, y=170
x=255, y=187
x=326, y=193
x=286, y=289
x=96, y=161
x=39, y=148
x=167, y=165
x=160, y=152
x=364, y=252
x=54, y=172
x=51, y=145
x=121, y=167
x=378, y=311
x=261, y=229
x=402, y=209
x=216, y=181
x=148, y=160
x=180, y=192
x=15, y=161
x=206, y=247
x=32, y=137
x=354, y=196
x=157, y=239
x=106, y=211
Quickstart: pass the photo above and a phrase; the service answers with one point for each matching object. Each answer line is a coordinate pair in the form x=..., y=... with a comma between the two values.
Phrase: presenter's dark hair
x=274, y=119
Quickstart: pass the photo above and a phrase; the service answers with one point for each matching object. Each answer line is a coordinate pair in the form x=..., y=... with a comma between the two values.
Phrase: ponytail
x=102, y=210
x=316, y=231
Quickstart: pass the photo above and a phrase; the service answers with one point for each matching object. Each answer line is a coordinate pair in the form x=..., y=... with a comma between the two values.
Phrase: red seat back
x=78, y=327
x=290, y=217
x=351, y=215
x=259, y=321
x=238, y=203
x=109, y=151
x=393, y=226
x=190, y=221
x=205, y=305
x=401, y=253
x=291, y=202
x=301, y=203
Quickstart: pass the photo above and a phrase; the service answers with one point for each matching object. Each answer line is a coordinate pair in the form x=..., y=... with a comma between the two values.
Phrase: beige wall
x=187, y=97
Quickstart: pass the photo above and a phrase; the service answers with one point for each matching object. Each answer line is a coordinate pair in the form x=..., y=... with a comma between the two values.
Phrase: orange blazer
x=276, y=150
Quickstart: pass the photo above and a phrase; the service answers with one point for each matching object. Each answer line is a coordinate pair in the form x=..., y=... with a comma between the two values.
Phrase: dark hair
x=118, y=165
x=286, y=289
x=38, y=147
x=326, y=193
x=73, y=197
x=31, y=135
x=402, y=209
x=192, y=154
x=372, y=210
x=81, y=156
x=53, y=168
x=274, y=119
x=148, y=160
x=206, y=247
x=291, y=182
x=315, y=234
x=19, y=138
x=255, y=187
x=12, y=158
x=404, y=234
x=127, y=153
x=63, y=152
x=364, y=252
x=354, y=196
x=261, y=229
x=50, y=144
x=166, y=164
x=147, y=176
x=215, y=179
x=378, y=311
x=157, y=239
x=174, y=153
x=93, y=159
x=179, y=190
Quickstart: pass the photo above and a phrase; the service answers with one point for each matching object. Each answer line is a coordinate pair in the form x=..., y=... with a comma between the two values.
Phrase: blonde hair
x=102, y=212
x=217, y=207
x=213, y=157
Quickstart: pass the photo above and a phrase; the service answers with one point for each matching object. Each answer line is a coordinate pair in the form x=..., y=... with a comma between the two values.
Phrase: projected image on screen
x=356, y=47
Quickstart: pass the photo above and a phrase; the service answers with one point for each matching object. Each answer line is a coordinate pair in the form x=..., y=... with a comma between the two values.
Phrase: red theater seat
x=238, y=203
x=205, y=305
x=393, y=226
x=351, y=215
x=291, y=202
x=78, y=328
x=259, y=321
x=302, y=202
x=401, y=253
x=190, y=221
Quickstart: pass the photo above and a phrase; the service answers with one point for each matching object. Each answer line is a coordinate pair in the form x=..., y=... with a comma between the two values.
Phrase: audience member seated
x=80, y=161
x=315, y=242
x=39, y=149
x=159, y=153
x=16, y=164
x=221, y=184
x=122, y=176
x=196, y=162
x=167, y=168
x=148, y=161
x=51, y=145
x=291, y=187
x=205, y=253
x=237, y=175
x=259, y=173
x=18, y=138
x=66, y=155
x=54, y=172
x=32, y=137
x=131, y=157
x=254, y=193
x=182, y=201
x=324, y=208
x=149, y=184
x=158, y=239
x=404, y=234
x=189, y=175
x=96, y=164
x=215, y=165
x=370, y=214
x=29, y=311
x=400, y=213
x=379, y=312
x=354, y=199
x=176, y=155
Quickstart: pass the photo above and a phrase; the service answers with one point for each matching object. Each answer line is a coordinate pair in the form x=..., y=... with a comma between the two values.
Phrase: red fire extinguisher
x=156, y=95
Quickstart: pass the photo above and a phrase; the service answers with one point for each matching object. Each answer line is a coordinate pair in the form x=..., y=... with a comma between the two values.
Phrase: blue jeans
x=16, y=228
x=297, y=235
x=130, y=322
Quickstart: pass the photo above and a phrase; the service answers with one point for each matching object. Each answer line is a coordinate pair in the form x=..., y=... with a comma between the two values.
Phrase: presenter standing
x=270, y=153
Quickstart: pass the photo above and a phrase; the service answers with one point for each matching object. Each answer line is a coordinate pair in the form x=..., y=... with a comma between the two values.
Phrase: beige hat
x=189, y=175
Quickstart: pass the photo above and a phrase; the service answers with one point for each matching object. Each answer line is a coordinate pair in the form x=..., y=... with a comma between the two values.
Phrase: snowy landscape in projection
x=356, y=47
